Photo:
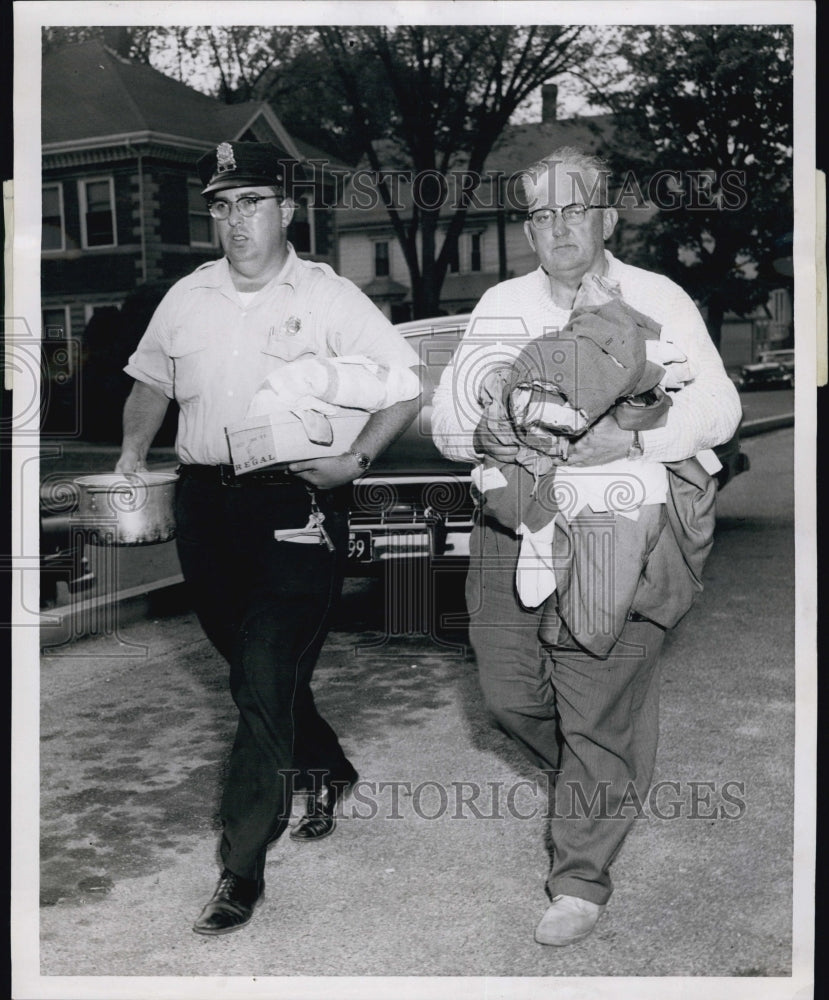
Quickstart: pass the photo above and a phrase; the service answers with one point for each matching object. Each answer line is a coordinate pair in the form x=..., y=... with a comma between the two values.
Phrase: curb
x=764, y=424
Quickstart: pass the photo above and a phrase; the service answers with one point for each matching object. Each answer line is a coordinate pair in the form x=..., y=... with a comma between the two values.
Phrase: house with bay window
x=121, y=202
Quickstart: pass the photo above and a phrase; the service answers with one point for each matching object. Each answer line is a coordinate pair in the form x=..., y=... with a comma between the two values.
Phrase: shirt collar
x=612, y=272
x=219, y=277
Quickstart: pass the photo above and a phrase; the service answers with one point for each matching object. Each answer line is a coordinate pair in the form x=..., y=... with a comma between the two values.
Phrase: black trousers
x=266, y=605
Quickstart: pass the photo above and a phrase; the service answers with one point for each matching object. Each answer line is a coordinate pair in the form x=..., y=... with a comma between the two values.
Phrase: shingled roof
x=90, y=93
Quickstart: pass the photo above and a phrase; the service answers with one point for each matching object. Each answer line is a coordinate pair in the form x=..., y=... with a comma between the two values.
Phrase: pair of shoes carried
x=231, y=905
x=319, y=820
x=568, y=919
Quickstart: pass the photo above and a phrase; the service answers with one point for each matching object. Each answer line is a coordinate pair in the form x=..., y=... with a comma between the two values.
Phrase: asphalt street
x=437, y=868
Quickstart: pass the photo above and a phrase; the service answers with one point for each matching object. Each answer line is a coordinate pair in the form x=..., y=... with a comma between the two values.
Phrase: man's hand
x=604, y=442
x=327, y=473
x=130, y=461
x=495, y=437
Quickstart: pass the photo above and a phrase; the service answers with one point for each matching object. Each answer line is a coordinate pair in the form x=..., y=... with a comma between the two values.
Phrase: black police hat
x=238, y=164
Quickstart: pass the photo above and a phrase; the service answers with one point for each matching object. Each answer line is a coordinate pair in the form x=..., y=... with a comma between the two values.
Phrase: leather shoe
x=319, y=820
x=568, y=919
x=231, y=905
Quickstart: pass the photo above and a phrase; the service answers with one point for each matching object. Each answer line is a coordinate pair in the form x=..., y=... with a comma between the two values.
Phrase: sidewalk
x=135, y=733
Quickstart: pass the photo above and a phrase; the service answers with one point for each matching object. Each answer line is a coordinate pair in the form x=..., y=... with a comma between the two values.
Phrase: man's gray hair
x=568, y=156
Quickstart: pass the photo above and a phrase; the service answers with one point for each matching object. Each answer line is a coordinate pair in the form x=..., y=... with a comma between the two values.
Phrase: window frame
x=62, y=247
x=479, y=235
x=84, y=208
x=90, y=307
x=196, y=185
x=376, y=245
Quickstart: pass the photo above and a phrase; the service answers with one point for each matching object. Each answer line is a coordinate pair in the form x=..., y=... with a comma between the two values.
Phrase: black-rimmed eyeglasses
x=543, y=218
x=246, y=205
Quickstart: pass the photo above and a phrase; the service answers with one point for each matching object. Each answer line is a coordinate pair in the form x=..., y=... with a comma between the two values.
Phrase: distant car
x=766, y=374
x=414, y=501
x=784, y=357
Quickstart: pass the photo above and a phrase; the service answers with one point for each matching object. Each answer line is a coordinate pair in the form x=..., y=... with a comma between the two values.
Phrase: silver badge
x=224, y=158
x=292, y=326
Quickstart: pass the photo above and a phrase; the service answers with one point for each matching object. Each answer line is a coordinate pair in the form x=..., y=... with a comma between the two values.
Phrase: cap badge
x=224, y=158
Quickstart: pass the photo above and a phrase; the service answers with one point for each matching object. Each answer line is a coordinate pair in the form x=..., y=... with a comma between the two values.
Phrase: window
x=97, y=200
x=202, y=229
x=52, y=231
x=381, y=259
x=454, y=259
x=475, y=252
x=90, y=310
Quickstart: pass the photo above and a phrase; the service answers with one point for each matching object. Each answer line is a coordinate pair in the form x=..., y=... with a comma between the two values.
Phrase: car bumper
x=407, y=517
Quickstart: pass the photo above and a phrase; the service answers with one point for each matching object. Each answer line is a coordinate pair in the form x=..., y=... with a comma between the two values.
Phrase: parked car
x=766, y=375
x=784, y=356
x=413, y=501
x=416, y=502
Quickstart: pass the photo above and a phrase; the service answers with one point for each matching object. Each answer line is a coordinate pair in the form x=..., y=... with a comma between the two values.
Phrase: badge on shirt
x=292, y=326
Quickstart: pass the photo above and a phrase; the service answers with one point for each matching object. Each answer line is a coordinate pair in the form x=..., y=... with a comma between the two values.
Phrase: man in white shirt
x=572, y=672
x=264, y=600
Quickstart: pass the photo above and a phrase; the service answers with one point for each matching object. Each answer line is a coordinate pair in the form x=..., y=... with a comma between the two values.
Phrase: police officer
x=265, y=604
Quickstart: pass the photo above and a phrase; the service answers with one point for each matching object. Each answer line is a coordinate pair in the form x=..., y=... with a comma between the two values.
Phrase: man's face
x=254, y=243
x=569, y=250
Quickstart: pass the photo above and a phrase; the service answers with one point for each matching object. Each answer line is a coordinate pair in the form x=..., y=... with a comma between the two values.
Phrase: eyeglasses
x=246, y=205
x=543, y=218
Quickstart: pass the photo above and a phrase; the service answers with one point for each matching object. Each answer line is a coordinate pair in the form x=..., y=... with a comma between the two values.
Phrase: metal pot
x=128, y=509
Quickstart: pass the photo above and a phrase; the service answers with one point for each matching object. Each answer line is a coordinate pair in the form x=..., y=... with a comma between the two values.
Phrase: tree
x=441, y=96
x=704, y=134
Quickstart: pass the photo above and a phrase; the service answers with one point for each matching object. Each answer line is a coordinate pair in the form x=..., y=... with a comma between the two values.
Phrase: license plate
x=359, y=546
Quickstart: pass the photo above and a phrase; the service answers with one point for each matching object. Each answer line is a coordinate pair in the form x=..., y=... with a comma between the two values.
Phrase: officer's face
x=254, y=244
x=569, y=250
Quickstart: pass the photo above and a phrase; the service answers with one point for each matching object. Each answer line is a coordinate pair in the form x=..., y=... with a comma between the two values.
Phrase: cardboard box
x=260, y=442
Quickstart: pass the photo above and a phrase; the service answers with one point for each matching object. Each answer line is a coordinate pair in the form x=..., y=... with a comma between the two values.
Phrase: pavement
x=440, y=871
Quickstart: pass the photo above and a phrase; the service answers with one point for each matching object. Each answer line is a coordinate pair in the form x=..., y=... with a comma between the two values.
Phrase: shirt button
x=235, y=353
x=230, y=392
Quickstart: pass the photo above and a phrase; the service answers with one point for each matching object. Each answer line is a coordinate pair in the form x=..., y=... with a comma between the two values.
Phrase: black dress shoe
x=319, y=820
x=231, y=905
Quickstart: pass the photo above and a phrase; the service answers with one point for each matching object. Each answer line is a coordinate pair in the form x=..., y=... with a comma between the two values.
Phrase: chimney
x=549, y=102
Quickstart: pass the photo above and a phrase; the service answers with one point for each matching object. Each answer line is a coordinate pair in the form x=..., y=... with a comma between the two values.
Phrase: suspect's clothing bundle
x=608, y=359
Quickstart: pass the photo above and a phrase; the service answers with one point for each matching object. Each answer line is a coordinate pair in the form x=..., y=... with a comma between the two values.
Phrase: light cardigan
x=706, y=409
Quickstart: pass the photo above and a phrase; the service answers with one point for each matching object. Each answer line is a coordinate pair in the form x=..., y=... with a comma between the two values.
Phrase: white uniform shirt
x=210, y=351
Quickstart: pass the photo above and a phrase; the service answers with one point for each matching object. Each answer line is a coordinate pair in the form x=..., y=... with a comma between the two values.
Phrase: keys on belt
x=312, y=534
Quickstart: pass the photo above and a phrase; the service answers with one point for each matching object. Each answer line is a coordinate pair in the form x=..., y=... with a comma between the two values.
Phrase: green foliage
x=711, y=104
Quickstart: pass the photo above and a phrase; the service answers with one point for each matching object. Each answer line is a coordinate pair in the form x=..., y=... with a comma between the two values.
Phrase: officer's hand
x=604, y=442
x=494, y=436
x=327, y=473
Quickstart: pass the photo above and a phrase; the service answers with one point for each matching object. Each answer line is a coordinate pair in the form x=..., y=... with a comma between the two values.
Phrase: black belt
x=223, y=475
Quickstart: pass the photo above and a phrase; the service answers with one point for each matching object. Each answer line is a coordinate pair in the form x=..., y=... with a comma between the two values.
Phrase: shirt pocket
x=189, y=368
x=290, y=341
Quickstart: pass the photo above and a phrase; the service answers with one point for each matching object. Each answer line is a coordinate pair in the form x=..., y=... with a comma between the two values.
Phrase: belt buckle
x=227, y=476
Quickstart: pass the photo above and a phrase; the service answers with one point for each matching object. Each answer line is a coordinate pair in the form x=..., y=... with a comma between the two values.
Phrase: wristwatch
x=362, y=459
x=636, y=450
